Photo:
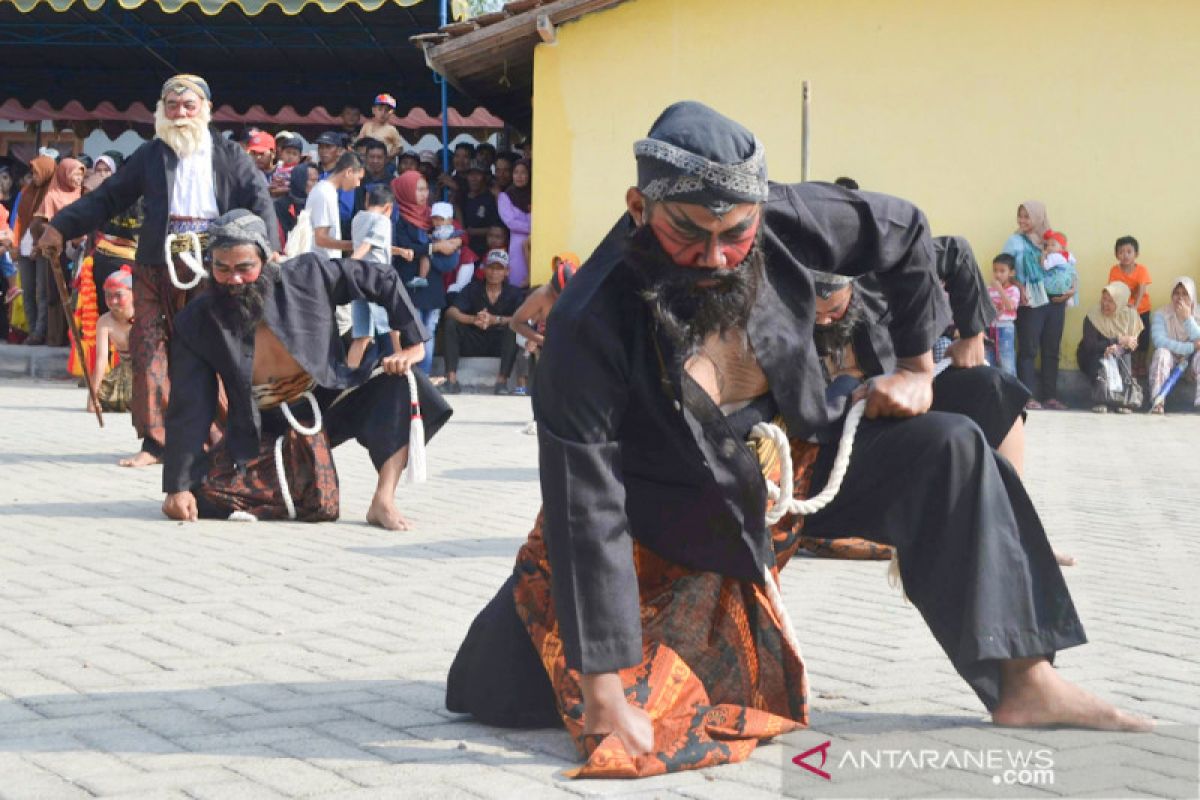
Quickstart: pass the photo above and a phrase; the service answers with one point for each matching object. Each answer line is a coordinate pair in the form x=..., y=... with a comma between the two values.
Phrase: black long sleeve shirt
x=150, y=174
x=630, y=447
x=300, y=311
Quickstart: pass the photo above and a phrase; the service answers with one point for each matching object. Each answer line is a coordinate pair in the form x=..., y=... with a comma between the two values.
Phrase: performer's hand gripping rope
x=193, y=258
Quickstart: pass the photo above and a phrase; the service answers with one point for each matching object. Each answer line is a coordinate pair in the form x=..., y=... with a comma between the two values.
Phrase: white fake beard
x=182, y=135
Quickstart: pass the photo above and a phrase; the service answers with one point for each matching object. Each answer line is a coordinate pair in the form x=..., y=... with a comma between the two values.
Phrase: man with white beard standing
x=188, y=176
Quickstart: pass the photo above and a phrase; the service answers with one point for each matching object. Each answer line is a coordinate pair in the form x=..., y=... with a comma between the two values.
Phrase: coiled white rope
x=296, y=426
x=783, y=493
x=193, y=258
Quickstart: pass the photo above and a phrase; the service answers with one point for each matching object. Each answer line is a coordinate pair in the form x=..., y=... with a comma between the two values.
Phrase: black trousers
x=973, y=555
x=466, y=340
x=1040, y=330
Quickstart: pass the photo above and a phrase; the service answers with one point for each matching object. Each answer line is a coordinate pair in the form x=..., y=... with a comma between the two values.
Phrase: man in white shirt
x=326, y=219
x=188, y=175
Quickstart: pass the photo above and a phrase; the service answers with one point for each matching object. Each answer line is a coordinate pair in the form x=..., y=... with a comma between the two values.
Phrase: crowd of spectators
x=451, y=234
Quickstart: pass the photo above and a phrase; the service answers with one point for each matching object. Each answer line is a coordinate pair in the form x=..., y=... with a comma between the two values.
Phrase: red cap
x=260, y=141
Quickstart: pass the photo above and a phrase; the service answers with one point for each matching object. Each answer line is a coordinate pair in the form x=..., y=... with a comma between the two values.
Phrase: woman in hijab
x=1176, y=337
x=514, y=205
x=1039, y=319
x=303, y=178
x=33, y=291
x=65, y=188
x=411, y=231
x=1110, y=335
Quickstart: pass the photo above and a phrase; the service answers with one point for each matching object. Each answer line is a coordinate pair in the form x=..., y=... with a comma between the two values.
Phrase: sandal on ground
x=1157, y=409
x=1033, y=405
x=1124, y=410
x=1055, y=405
x=1099, y=409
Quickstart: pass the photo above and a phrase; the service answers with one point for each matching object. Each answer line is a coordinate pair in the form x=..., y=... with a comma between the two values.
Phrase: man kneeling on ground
x=268, y=332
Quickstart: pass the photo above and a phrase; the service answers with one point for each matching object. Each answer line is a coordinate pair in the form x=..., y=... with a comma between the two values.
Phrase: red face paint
x=697, y=247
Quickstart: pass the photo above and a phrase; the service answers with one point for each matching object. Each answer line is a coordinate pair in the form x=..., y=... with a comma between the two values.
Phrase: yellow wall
x=966, y=107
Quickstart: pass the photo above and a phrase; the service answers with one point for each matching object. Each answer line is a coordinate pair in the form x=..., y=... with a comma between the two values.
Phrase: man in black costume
x=267, y=330
x=691, y=323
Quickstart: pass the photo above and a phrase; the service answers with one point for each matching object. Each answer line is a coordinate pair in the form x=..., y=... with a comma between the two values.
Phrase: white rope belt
x=193, y=258
x=414, y=471
x=312, y=430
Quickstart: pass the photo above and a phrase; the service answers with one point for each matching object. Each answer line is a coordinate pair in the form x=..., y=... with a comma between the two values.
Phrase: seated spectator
x=497, y=239
x=413, y=232
x=1176, y=337
x=379, y=127
x=514, y=206
x=1006, y=299
x=1109, y=337
x=479, y=211
x=409, y=161
x=114, y=388
x=377, y=167
x=478, y=323
x=529, y=321
x=1137, y=278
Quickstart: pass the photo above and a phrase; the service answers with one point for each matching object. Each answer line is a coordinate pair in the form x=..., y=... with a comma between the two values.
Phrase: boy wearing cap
x=478, y=323
x=261, y=147
x=378, y=127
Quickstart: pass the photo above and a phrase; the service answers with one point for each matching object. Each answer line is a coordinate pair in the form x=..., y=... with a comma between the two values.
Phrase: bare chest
x=272, y=361
x=727, y=369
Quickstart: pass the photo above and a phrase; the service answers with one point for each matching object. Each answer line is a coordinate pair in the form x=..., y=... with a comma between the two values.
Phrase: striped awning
x=211, y=7
x=286, y=117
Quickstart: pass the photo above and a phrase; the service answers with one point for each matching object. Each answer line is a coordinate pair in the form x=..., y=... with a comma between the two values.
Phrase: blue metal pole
x=445, y=108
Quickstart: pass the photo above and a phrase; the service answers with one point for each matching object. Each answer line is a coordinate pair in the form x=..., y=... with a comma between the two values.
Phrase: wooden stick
x=65, y=297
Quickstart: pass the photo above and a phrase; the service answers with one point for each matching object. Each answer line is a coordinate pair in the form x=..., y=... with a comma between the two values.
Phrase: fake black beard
x=240, y=308
x=688, y=311
x=837, y=335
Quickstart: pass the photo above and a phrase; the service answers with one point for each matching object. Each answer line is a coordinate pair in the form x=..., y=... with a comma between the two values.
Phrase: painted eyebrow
x=685, y=225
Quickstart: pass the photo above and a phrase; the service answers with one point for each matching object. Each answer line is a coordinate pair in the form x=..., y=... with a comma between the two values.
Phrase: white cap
x=443, y=210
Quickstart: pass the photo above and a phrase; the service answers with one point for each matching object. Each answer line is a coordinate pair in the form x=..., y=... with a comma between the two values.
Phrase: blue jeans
x=368, y=319
x=1002, y=351
x=430, y=320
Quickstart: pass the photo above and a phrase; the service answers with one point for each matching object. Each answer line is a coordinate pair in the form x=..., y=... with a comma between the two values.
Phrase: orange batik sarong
x=717, y=674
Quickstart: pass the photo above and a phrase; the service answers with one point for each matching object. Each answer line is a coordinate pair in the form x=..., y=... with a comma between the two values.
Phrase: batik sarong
x=717, y=675
x=312, y=481
x=116, y=387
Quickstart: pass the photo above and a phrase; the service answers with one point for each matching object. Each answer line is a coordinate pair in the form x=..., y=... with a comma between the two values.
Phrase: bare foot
x=1034, y=695
x=141, y=459
x=1064, y=559
x=385, y=515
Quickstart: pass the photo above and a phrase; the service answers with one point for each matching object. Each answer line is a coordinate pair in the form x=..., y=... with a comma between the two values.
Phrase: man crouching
x=267, y=330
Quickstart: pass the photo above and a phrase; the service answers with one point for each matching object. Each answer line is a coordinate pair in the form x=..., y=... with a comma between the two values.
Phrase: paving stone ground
x=145, y=658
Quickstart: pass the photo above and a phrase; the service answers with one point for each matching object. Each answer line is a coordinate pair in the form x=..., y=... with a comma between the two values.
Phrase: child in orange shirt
x=1137, y=278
